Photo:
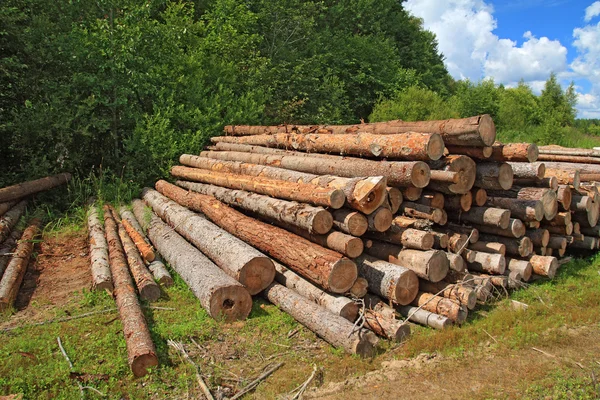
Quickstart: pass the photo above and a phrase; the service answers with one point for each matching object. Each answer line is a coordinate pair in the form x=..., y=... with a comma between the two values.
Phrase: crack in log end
x=420, y=174
x=369, y=194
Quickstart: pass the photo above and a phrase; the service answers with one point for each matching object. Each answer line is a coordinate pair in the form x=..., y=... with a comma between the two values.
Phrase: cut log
x=141, y=352
x=587, y=243
x=394, y=198
x=581, y=203
x=324, y=267
x=10, y=219
x=485, y=216
x=380, y=220
x=526, y=210
x=495, y=176
x=4, y=207
x=443, y=306
x=406, y=222
x=456, y=262
x=412, y=146
x=313, y=219
x=487, y=262
x=101, y=277
x=424, y=317
x=472, y=233
x=527, y=152
x=464, y=277
x=17, y=266
x=359, y=289
x=301, y=192
x=397, y=173
x=459, y=203
x=440, y=240
x=350, y=222
x=595, y=231
x=7, y=247
x=515, y=247
x=463, y=165
x=363, y=194
x=516, y=229
x=489, y=247
x=564, y=177
x=479, y=196
x=336, y=330
x=412, y=193
x=391, y=281
x=457, y=242
x=18, y=191
x=239, y=260
x=338, y=305
x=145, y=250
x=381, y=319
x=545, y=266
x=560, y=230
x=561, y=219
x=347, y=245
x=416, y=210
x=539, y=237
x=479, y=153
x=577, y=228
x=528, y=171
x=147, y=288
x=465, y=295
x=407, y=237
x=220, y=295
x=559, y=150
x=432, y=199
x=523, y=267
x=495, y=280
x=445, y=176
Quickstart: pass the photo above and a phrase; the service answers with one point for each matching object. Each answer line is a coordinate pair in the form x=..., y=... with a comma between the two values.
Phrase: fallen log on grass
x=391, y=281
x=141, y=353
x=7, y=247
x=543, y=265
x=219, y=294
x=145, y=250
x=20, y=190
x=10, y=219
x=101, y=277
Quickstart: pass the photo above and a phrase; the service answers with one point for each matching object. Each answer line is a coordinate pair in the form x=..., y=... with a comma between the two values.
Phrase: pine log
x=587, y=243
x=456, y=262
x=301, y=192
x=495, y=176
x=336, y=330
x=445, y=176
x=220, y=295
x=313, y=219
x=359, y=289
x=561, y=219
x=515, y=229
x=347, y=245
x=487, y=262
x=376, y=303
x=539, y=237
x=479, y=153
x=406, y=222
x=527, y=152
x=522, y=267
x=465, y=295
x=479, y=196
x=464, y=277
x=380, y=220
x=395, y=199
x=8, y=246
x=567, y=151
x=457, y=242
x=543, y=265
x=444, y=219
x=18, y=191
x=564, y=177
x=411, y=193
x=432, y=199
x=526, y=210
x=463, y=165
x=381, y=319
x=338, y=305
x=397, y=173
x=486, y=216
x=391, y=281
x=516, y=247
x=581, y=203
x=424, y=317
x=324, y=267
x=157, y=267
x=145, y=250
x=10, y=219
x=576, y=227
x=590, y=177
x=495, y=280
x=528, y=171
x=459, y=203
x=363, y=194
x=472, y=233
x=443, y=306
x=350, y=222
x=440, y=240
x=595, y=231
x=416, y=210
x=489, y=247
x=4, y=207
x=550, y=182
x=408, y=237
x=533, y=224
x=101, y=277
x=560, y=230
x=17, y=266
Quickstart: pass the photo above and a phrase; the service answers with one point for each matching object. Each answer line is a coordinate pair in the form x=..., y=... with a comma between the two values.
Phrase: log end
x=487, y=129
x=505, y=176
x=149, y=256
x=466, y=201
x=435, y=146
x=322, y=222
x=257, y=274
x=437, y=266
x=382, y=220
x=349, y=311
x=462, y=315
x=540, y=170
x=357, y=224
x=533, y=152
x=354, y=247
x=420, y=175
x=231, y=303
x=471, y=300
x=480, y=197
x=104, y=285
x=342, y=276
x=337, y=199
x=402, y=333
x=150, y=292
x=366, y=344
x=141, y=363
x=407, y=288
x=369, y=194
x=467, y=170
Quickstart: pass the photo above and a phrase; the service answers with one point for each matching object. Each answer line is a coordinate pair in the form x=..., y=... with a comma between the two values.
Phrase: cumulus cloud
x=592, y=11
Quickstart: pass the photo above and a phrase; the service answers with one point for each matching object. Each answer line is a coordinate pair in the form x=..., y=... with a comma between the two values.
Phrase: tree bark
x=17, y=266
x=479, y=153
x=350, y=222
x=526, y=210
x=391, y=281
x=523, y=267
x=301, y=192
x=385, y=326
x=101, y=276
x=10, y=219
x=336, y=330
x=424, y=317
x=565, y=177
x=487, y=262
x=440, y=305
x=526, y=170
x=465, y=295
x=527, y=152
x=463, y=165
x=416, y=210
x=219, y=294
x=557, y=242
x=586, y=243
x=545, y=266
x=4, y=207
x=486, y=216
x=408, y=237
x=494, y=176
x=319, y=265
x=515, y=229
x=338, y=305
x=18, y=191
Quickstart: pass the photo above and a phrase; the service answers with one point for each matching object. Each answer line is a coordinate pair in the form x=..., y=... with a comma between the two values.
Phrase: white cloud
x=592, y=11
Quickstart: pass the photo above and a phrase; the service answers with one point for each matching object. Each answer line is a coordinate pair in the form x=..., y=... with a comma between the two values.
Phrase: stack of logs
x=347, y=228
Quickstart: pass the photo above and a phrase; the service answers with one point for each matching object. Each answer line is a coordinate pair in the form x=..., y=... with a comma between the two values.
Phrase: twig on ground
x=257, y=381
x=179, y=347
x=493, y=338
x=64, y=353
x=543, y=352
x=302, y=388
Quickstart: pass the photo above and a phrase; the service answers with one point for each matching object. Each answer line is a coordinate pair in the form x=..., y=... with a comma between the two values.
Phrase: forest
x=122, y=88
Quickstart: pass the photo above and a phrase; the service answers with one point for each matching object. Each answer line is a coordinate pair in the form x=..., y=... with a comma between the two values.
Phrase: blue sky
x=529, y=39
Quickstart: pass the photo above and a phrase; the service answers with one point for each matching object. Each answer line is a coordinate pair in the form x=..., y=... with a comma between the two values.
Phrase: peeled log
x=424, y=317
x=443, y=306
x=412, y=146
x=350, y=222
x=301, y=192
x=313, y=219
x=487, y=262
x=101, y=277
x=543, y=265
x=523, y=267
x=16, y=192
x=364, y=194
x=138, y=240
x=494, y=176
x=407, y=237
x=17, y=266
x=319, y=265
x=516, y=247
x=486, y=216
x=391, y=281
x=463, y=294
x=339, y=305
x=10, y=219
x=219, y=294
x=526, y=210
x=527, y=152
x=398, y=173
x=4, y=207
x=526, y=170
x=463, y=165
x=336, y=330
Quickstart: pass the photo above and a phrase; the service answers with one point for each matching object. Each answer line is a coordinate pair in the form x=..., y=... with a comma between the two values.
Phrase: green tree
x=413, y=104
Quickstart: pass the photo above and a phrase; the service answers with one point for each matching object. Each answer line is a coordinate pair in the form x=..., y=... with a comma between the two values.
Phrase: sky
x=512, y=40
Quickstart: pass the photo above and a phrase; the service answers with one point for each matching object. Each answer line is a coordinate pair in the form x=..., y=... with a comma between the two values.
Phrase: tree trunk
x=416, y=210
x=412, y=146
x=380, y=220
x=313, y=219
x=463, y=165
x=516, y=247
x=339, y=305
x=7, y=248
x=494, y=176
x=489, y=247
x=479, y=153
x=101, y=277
x=545, y=266
x=4, y=207
x=397, y=173
x=456, y=262
x=523, y=267
x=440, y=305
x=10, y=219
x=539, y=237
x=515, y=229
x=157, y=267
x=350, y=222
x=336, y=330
x=301, y=192
x=391, y=281
x=141, y=352
x=363, y=194
x=527, y=152
x=459, y=203
x=487, y=262
x=17, y=266
x=319, y=265
x=407, y=237
x=18, y=191
x=568, y=151
x=146, y=251
x=526, y=210
x=239, y=260
x=486, y=216
x=424, y=317
x=465, y=295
